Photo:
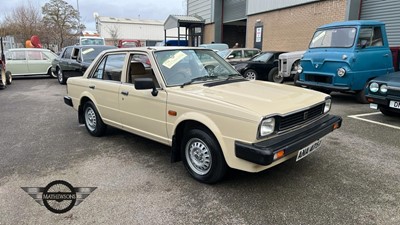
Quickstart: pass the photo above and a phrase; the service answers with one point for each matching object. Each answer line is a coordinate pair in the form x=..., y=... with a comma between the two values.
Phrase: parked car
x=215, y=46
x=29, y=61
x=74, y=60
x=261, y=67
x=384, y=94
x=213, y=120
x=5, y=77
x=235, y=55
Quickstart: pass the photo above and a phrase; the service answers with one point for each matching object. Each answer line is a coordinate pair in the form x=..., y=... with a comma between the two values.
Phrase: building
x=149, y=32
x=286, y=25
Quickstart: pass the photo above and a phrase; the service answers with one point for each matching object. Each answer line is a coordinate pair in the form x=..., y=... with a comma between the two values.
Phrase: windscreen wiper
x=202, y=78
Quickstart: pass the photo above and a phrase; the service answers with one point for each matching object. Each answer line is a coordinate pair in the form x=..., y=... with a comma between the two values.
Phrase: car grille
x=393, y=91
x=319, y=78
x=299, y=118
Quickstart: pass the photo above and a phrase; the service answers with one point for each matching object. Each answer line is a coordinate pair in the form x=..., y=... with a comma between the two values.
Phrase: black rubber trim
x=321, y=86
x=68, y=101
x=224, y=82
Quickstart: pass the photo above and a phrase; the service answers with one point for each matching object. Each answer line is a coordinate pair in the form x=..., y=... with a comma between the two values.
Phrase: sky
x=134, y=9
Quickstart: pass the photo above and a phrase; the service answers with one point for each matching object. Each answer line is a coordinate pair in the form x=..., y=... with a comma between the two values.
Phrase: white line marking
x=371, y=121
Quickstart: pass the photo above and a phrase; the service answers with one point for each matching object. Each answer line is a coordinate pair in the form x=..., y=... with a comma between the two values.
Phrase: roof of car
x=353, y=23
x=157, y=48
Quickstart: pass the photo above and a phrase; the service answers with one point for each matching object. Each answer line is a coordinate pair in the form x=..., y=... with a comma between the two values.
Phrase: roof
x=107, y=19
x=352, y=23
x=174, y=21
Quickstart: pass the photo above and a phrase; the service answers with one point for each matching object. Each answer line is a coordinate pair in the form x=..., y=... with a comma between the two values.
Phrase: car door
x=37, y=62
x=141, y=112
x=65, y=61
x=16, y=62
x=104, y=85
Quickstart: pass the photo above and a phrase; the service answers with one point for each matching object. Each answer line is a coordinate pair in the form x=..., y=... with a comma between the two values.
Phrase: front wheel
x=60, y=76
x=274, y=76
x=202, y=156
x=51, y=73
x=387, y=112
x=93, y=122
x=250, y=74
x=8, y=78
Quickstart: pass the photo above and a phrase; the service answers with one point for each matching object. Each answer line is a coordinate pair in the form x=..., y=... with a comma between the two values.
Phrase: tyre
x=274, y=76
x=93, y=122
x=360, y=95
x=387, y=112
x=295, y=79
x=60, y=76
x=8, y=78
x=51, y=73
x=250, y=74
x=202, y=156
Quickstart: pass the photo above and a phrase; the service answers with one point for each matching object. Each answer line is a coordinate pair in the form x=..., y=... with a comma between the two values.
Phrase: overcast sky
x=145, y=9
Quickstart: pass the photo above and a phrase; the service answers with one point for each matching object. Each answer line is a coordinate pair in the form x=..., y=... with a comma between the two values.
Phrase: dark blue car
x=384, y=94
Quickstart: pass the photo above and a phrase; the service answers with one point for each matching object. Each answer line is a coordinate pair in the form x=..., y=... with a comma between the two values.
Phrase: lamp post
x=79, y=17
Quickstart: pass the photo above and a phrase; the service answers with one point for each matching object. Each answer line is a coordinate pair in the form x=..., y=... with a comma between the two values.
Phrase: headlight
x=267, y=127
x=299, y=69
x=328, y=103
x=383, y=88
x=341, y=72
x=374, y=87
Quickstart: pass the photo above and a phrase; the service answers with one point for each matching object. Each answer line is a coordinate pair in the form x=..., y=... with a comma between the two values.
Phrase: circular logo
x=59, y=196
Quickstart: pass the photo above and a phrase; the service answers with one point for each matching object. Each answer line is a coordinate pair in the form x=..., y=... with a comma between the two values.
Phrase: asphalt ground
x=353, y=178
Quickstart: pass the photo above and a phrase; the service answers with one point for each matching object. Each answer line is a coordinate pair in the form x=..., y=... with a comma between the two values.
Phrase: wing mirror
x=144, y=84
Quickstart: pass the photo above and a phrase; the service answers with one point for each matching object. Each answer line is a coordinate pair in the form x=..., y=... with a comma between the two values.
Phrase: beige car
x=29, y=61
x=213, y=119
x=236, y=55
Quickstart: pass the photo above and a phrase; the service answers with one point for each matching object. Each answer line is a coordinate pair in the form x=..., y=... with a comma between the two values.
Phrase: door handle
x=92, y=86
x=385, y=55
x=125, y=92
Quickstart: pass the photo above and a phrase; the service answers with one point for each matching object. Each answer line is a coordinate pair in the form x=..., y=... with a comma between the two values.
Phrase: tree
x=23, y=22
x=114, y=33
x=63, y=19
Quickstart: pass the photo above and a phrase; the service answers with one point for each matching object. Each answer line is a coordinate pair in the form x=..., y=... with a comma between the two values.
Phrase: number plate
x=308, y=150
x=394, y=104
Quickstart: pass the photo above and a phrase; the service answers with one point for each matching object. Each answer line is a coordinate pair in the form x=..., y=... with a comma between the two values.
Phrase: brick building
x=286, y=25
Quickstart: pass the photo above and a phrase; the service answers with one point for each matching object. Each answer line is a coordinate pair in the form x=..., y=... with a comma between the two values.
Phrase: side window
x=140, y=67
x=67, y=53
x=110, y=68
x=250, y=53
x=370, y=37
x=237, y=54
x=19, y=55
x=34, y=55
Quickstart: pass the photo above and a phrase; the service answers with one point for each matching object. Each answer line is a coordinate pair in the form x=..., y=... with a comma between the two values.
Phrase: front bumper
x=324, y=86
x=262, y=153
x=68, y=101
x=382, y=100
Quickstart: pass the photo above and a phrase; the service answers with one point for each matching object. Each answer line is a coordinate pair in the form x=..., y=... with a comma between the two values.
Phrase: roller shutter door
x=387, y=11
x=234, y=10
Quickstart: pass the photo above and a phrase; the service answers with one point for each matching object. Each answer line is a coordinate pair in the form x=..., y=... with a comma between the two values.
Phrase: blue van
x=344, y=56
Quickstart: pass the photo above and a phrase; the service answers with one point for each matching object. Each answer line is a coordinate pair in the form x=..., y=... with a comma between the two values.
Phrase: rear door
x=38, y=63
x=104, y=85
x=65, y=61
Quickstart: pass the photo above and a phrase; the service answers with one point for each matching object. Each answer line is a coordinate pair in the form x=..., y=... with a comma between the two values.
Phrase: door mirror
x=75, y=54
x=231, y=56
x=144, y=84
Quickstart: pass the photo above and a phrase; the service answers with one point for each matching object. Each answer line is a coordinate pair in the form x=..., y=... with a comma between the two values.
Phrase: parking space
x=353, y=178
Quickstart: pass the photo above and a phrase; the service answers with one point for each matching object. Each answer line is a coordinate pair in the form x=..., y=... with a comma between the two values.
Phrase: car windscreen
x=90, y=53
x=334, y=38
x=184, y=66
x=224, y=53
x=262, y=57
x=92, y=41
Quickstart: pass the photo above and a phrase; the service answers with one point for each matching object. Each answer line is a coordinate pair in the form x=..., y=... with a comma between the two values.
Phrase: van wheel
x=274, y=76
x=8, y=78
x=360, y=95
x=202, y=156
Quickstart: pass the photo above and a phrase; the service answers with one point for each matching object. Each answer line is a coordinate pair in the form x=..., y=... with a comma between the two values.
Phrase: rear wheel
x=274, y=76
x=202, y=156
x=93, y=122
x=8, y=78
x=51, y=73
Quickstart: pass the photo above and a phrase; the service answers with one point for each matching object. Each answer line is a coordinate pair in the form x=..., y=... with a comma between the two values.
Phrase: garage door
x=387, y=11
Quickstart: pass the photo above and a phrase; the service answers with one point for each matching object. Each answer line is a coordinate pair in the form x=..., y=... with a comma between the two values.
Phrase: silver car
x=29, y=61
